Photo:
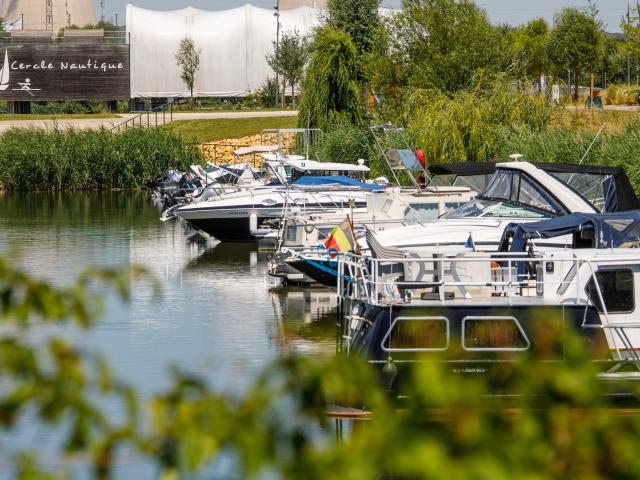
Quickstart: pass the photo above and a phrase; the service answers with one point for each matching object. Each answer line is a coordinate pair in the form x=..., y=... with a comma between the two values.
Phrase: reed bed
x=68, y=159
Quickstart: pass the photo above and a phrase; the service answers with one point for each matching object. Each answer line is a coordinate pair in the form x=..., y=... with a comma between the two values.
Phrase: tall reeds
x=69, y=159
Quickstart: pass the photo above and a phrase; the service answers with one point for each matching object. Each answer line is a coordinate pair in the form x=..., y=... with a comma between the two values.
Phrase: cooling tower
x=63, y=13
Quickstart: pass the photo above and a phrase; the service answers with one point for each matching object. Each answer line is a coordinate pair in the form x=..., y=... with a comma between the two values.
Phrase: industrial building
x=49, y=15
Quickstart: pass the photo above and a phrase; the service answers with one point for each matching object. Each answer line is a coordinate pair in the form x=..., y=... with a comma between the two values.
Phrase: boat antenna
x=592, y=143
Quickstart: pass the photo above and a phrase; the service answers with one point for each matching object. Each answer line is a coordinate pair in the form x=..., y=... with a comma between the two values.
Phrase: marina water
x=216, y=316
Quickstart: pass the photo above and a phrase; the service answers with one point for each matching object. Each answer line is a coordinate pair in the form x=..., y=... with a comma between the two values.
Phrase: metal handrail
x=131, y=122
x=353, y=266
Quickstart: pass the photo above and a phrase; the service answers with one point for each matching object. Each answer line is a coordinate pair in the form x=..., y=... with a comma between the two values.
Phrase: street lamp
x=277, y=15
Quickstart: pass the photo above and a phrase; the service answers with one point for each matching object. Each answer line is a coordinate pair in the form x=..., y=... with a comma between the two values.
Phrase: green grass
x=71, y=116
x=220, y=129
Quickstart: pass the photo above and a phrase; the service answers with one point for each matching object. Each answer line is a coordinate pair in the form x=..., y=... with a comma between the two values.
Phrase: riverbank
x=39, y=159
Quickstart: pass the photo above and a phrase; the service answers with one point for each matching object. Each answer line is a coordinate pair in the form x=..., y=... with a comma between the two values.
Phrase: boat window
x=595, y=188
x=421, y=211
x=616, y=287
x=476, y=183
x=482, y=207
x=518, y=188
x=442, y=180
x=417, y=334
x=450, y=206
x=493, y=334
x=568, y=279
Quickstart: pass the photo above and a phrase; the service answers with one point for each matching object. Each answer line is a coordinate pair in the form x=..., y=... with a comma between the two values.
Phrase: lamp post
x=277, y=15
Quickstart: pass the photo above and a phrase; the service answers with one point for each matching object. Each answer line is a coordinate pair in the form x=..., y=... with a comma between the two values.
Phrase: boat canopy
x=608, y=189
x=335, y=180
x=463, y=168
x=589, y=230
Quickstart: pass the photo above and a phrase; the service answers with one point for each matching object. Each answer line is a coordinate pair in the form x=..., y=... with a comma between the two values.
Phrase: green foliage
x=266, y=94
x=576, y=43
x=444, y=43
x=288, y=59
x=67, y=159
x=188, y=59
x=49, y=377
x=565, y=144
x=67, y=107
x=330, y=90
x=506, y=423
x=464, y=126
x=360, y=20
x=531, y=47
x=348, y=144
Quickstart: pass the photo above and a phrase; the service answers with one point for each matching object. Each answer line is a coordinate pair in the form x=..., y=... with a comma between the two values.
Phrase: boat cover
x=335, y=180
x=463, y=168
x=620, y=195
x=609, y=230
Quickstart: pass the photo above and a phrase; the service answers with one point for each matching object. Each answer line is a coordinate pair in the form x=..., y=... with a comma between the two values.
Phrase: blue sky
x=514, y=12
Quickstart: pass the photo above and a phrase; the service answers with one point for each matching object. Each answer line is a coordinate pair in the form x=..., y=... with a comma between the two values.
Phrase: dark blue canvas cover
x=609, y=229
x=335, y=180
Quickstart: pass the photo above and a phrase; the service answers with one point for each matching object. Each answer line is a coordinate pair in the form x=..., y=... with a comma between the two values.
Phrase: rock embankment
x=221, y=151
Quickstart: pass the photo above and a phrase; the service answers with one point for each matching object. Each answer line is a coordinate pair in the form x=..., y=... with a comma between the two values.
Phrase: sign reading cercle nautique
x=64, y=72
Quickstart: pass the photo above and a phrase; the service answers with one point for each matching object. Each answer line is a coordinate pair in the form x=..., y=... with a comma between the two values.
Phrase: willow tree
x=330, y=88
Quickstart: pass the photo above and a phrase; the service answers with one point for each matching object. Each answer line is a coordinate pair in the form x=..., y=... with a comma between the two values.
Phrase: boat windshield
x=486, y=208
x=511, y=194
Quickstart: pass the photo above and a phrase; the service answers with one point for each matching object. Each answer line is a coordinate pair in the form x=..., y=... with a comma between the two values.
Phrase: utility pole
x=628, y=54
x=102, y=11
x=277, y=15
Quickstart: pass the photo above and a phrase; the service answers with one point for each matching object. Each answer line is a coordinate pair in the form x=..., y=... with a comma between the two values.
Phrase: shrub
x=60, y=159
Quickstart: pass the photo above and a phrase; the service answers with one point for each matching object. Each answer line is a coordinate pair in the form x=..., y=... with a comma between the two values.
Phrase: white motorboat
x=519, y=191
x=485, y=308
x=239, y=214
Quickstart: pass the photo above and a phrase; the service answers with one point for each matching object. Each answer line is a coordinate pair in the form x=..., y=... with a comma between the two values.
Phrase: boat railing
x=462, y=275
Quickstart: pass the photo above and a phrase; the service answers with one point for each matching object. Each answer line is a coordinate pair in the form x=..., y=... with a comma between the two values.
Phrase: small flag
x=341, y=237
x=470, y=243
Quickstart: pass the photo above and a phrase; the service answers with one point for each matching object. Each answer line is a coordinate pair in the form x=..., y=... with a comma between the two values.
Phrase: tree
x=188, y=59
x=443, y=43
x=330, y=88
x=361, y=21
x=631, y=29
x=531, y=47
x=576, y=43
x=288, y=59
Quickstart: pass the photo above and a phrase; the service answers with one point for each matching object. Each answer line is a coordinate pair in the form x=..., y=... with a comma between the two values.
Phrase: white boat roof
x=256, y=149
x=570, y=199
x=313, y=165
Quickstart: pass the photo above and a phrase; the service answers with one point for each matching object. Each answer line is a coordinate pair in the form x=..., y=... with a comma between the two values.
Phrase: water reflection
x=218, y=314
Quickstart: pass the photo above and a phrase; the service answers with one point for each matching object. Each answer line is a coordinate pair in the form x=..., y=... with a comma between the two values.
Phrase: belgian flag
x=341, y=238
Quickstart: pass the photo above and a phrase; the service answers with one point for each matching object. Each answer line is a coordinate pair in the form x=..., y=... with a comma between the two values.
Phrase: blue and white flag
x=470, y=243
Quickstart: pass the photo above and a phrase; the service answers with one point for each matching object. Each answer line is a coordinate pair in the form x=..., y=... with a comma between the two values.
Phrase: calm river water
x=217, y=315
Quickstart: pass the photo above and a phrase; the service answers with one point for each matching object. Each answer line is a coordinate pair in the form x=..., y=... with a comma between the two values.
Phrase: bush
x=60, y=159
x=566, y=145
x=621, y=94
x=463, y=126
x=67, y=107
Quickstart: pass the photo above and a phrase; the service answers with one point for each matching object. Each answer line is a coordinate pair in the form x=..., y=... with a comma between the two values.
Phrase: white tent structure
x=233, y=46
